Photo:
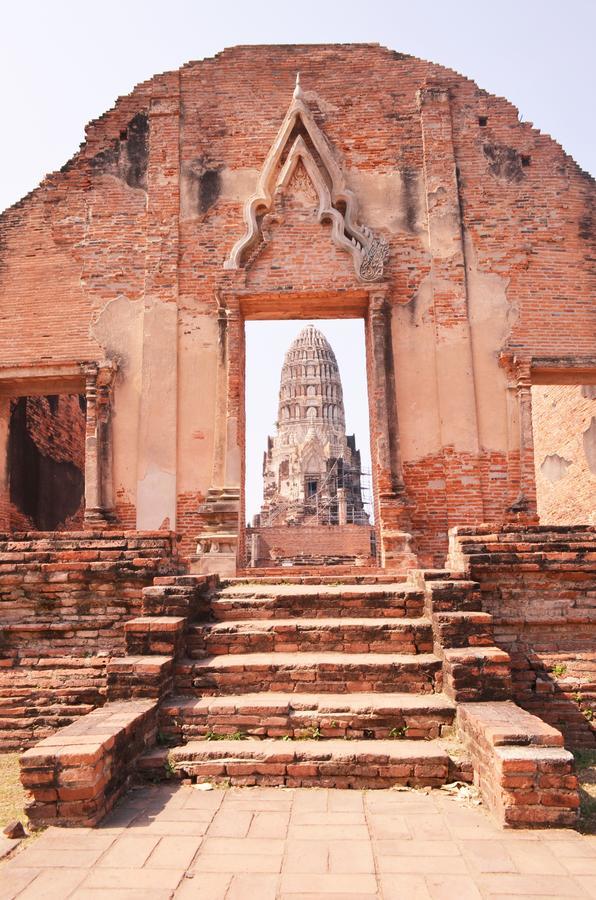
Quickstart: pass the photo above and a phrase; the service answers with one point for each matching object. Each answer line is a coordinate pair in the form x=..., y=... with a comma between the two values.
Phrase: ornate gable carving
x=300, y=144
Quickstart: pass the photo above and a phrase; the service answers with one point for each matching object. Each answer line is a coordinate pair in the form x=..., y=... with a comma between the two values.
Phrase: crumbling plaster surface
x=197, y=378
x=118, y=329
x=564, y=420
x=156, y=450
x=492, y=315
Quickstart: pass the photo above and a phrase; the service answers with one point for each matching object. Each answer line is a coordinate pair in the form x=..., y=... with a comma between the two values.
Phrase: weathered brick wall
x=540, y=586
x=564, y=420
x=277, y=543
x=64, y=600
x=98, y=263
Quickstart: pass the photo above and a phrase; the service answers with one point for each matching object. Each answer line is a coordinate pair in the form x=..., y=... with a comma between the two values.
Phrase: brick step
x=139, y=676
x=175, y=600
x=333, y=763
x=304, y=635
x=328, y=672
x=454, y=596
x=463, y=629
x=477, y=673
x=262, y=601
x=276, y=715
x=277, y=576
x=541, y=534
x=546, y=555
x=154, y=635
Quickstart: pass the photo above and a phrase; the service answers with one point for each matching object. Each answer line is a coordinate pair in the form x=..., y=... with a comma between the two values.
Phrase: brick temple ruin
x=374, y=186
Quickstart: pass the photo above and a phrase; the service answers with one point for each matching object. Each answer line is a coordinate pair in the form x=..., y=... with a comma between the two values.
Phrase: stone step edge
x=384, y=623
x=333, y=704
x=241, y=661
x=331, y=763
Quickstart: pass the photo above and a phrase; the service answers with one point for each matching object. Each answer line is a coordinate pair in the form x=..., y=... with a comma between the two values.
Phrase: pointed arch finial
x=337, y=203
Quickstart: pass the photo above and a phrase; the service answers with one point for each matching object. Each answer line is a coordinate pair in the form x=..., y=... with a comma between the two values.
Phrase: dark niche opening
x=46, y=459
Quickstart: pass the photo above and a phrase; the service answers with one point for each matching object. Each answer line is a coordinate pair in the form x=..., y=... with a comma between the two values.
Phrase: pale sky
x=64, y=62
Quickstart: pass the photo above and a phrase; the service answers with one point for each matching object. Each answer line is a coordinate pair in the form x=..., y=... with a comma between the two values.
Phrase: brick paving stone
x=389, y=827
x=7, y=845
x=534, y=858
x=530, y=885
x=120, y=894
x=345, y=801
x=256, y=846
x=132, y=879
x=237, y=863
x=168, y=827
x=347, y=819
x=129, y=851
x=452, y=887
x=174, y=852
x=423, y=865
x=400, y=887
x=315, y=800
x=329, y=883
x=488, y=856
x=585, y=848
x=269, y=824
x=54, y=885
x=580, y=866
x=75, y=839
x=230, y=823
x=253, y=887
x=416, y=848
x=51, y=858
x=14, y=879
x=330, y=896
x=328, y=832
x=351, y=856
x=306, y=856
x=588, y=884
x=207, y=886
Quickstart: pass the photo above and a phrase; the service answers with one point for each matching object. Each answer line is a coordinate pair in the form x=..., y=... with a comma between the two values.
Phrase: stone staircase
x=313, y=680
x=340, y=681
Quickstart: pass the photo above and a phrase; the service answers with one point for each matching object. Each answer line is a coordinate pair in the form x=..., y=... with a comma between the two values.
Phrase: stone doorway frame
x=95, y=382
x=222, y=542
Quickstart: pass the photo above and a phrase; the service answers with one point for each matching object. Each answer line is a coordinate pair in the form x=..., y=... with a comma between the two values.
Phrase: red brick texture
x=539, y=586
x=75, y=777
x=313, y=545
x=525, y=776
x=64, y=600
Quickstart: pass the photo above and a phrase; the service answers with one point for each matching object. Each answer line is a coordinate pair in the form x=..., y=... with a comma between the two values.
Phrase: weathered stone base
x=75, y=776
x=525, y=776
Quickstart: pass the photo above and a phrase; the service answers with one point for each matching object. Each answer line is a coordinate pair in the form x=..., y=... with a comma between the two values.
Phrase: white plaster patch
x=589, y=441
x=554, y=467
x=156, y=499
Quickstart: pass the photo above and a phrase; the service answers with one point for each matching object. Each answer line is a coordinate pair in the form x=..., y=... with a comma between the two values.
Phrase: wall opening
x=564, y=429
x=308, y=473
x=46, y=462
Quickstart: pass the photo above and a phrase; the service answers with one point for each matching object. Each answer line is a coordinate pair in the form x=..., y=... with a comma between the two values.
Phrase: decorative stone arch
x=300, y=140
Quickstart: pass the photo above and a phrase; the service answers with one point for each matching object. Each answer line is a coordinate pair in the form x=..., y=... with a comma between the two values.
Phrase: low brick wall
x=539, y=584
x=278, y=543
x=525, y=776
x=75, y=777
x=64, y=600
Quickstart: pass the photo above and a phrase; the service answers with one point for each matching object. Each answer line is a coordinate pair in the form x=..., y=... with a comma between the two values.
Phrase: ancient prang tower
x=311, y=469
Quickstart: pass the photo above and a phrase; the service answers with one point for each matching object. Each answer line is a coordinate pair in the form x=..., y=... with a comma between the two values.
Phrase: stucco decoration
x=301, y=140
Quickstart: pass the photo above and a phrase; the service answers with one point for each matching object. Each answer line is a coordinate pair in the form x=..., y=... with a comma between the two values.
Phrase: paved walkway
x=176, y=841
